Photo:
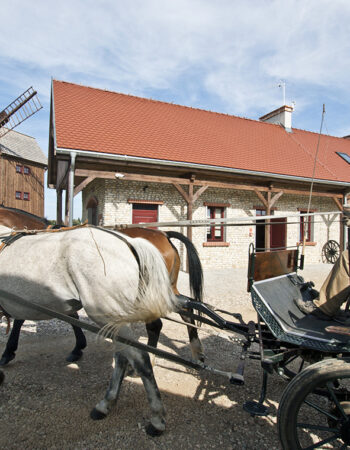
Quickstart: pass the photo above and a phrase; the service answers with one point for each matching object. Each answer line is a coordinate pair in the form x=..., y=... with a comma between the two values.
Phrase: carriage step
x=237, y=379
x=255, y=408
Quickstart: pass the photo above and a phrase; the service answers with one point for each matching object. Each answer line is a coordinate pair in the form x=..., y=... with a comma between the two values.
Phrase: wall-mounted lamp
x=119, y=175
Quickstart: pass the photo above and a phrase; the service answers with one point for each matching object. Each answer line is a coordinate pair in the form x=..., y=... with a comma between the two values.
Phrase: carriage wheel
x=330, y=251
x=315, y=407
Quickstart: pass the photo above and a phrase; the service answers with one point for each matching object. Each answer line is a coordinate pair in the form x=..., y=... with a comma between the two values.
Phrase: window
x=26, y=196
x=18, y=195
x=19, y=168
x=306, y=227
x=216, y=233
x=345, y=156
x=26, y=170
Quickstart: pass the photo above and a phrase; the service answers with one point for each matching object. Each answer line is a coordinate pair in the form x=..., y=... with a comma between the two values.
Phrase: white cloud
x=225, y=55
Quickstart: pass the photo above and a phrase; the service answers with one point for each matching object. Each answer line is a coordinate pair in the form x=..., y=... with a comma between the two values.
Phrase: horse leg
x=195, y=343
x=141, y=363
x=102, y=408
x=153, y=332
x=80, y=342
x=12, y=343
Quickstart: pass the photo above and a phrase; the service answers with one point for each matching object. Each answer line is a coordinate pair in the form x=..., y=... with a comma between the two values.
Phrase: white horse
x=116, y=279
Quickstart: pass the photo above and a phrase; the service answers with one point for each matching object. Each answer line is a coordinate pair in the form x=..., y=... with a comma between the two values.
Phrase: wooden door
x=142, y=212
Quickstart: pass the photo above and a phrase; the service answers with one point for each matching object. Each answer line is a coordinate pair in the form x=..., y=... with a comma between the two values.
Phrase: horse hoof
x=201, y=357
x=6, y=359
x=2, y=376
x=74, y=357
x=152, y=431
x=97, y=415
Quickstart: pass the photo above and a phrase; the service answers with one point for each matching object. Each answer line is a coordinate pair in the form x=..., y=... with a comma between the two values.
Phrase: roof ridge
x=189, y=107
x=166, y=103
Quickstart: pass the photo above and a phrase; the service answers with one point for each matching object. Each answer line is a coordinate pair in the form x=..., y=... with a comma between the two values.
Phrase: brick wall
x=114, y=208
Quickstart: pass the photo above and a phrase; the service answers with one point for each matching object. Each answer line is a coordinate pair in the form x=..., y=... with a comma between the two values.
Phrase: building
x=22, y=168
x=140, y=160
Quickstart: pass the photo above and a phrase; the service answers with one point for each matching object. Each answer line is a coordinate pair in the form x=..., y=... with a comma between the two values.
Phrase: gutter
x=138, y=159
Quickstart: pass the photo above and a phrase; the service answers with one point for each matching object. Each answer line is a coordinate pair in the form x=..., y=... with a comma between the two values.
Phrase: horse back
x=20, y=220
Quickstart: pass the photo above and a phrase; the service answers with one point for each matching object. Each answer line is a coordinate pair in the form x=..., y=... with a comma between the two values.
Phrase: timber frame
x=74, y=173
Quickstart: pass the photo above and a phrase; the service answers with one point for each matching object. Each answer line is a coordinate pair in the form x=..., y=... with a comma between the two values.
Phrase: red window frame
x=19, y=168
x=215, y=233
x=18, y=195
x=26, y=196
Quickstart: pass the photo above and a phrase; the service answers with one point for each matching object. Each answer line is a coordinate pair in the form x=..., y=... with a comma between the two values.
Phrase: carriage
x=315, y=406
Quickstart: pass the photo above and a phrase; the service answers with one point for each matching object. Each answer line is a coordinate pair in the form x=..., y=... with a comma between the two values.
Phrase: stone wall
x=114, y=207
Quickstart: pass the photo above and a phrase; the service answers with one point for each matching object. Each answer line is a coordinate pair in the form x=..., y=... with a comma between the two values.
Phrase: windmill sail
x=19, y=110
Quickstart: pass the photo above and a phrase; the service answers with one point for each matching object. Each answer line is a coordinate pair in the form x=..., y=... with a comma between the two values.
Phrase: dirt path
x=45, y=402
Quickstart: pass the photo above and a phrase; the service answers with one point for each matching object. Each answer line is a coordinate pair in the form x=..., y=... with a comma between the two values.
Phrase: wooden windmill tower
x=19, y=110
x=22, y=162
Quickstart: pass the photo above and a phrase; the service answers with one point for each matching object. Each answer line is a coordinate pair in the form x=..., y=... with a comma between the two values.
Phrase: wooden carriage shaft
x=95, y=329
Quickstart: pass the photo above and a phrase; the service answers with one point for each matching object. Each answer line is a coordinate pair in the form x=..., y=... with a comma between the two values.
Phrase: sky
x=228, y=56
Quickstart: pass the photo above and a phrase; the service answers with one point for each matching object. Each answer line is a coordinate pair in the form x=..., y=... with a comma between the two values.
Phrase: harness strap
x=122, y=238
x=6, y=241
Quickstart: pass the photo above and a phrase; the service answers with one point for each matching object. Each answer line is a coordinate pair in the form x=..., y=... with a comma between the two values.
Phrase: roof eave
x=138, y=159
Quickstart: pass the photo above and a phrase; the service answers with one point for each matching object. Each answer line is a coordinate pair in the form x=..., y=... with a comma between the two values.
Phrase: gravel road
x=45, y=402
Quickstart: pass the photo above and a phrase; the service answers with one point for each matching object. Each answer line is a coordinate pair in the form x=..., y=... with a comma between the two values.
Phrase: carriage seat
x=273, y=283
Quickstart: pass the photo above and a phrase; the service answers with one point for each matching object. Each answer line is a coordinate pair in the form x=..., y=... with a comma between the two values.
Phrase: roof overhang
x=193, y=166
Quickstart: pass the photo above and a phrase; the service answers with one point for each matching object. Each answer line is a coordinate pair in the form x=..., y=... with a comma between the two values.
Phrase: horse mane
x=25, y=213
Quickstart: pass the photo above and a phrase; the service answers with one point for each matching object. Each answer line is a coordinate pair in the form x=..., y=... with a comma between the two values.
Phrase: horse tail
x=155, y=297
x=194, y=265
x=155, y=293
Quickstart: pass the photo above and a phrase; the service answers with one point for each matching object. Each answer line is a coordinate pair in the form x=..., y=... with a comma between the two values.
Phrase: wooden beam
x=182, y=192
x=83, y=184
x=261, y=197
x=337, y=202
x=199, y=193
x=275, y=198
x=162, y=179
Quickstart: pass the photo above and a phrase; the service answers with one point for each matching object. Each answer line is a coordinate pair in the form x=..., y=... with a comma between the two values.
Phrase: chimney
x=281, y=116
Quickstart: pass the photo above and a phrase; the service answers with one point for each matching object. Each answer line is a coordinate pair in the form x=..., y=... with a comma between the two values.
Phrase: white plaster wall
x=114, y=208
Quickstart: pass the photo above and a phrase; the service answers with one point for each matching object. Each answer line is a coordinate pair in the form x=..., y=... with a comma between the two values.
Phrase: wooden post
x=59, y=207
x=66, y=211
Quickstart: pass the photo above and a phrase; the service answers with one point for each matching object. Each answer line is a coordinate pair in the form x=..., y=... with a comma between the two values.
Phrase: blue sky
x=223, y=55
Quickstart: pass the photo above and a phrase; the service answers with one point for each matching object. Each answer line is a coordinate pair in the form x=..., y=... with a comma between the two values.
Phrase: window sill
x=307, y=244
x=216, y=244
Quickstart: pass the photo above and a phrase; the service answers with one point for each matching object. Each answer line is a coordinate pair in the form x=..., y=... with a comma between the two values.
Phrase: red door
x=278, y=233
x=142, y=212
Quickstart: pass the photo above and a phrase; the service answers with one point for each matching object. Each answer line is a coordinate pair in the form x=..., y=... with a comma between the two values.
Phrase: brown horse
x=161, y=240
x=19, y=219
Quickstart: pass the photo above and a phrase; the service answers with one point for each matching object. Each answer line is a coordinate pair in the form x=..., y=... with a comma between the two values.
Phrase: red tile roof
x=107, y=122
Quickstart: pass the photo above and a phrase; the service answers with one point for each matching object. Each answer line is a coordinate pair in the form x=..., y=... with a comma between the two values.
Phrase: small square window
x=26, y=170
x=18, y=195
x=19, y=168
x=26, y=196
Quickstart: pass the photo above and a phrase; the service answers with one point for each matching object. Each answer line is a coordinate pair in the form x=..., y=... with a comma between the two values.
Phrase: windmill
x=19, y=110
